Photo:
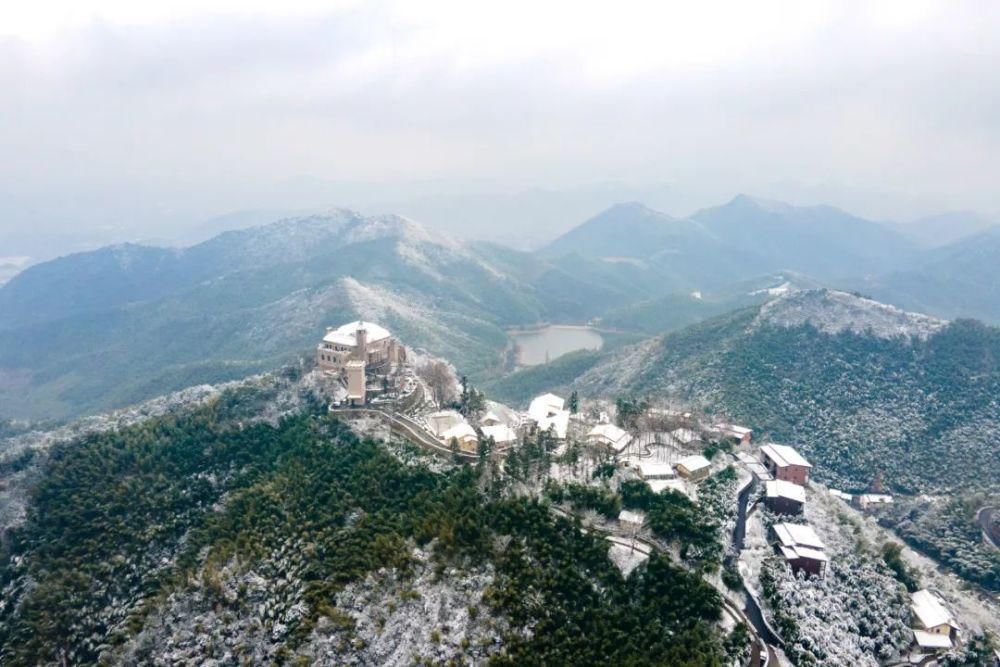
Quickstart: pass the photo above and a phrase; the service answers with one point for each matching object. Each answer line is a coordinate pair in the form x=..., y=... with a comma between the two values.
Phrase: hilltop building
x=784, y=463
x=741, y=434
x=356, y=352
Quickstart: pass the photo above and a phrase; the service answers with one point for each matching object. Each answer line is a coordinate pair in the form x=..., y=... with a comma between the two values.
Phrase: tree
x=438, y=377
x=574, y=402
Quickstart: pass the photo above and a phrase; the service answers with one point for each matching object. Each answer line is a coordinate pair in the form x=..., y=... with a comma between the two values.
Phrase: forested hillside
x=860, y=387
x=211, y=535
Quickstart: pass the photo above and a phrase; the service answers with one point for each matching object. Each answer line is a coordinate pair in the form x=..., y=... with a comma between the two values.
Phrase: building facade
x=359, y=341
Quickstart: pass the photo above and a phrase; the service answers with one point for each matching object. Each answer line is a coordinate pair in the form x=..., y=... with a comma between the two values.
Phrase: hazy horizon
x=508, y=123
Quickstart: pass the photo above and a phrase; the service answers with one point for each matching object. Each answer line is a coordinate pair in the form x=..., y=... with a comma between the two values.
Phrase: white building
x=937, y=629
x=440, y=422
x=548, y=413
x=501, y=434
x=611, y=436
x=654, y=470
x=358, y=341
x=464, y=434
x=694, y=467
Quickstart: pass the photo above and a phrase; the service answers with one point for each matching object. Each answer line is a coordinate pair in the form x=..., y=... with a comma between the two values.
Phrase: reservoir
x=536, y=346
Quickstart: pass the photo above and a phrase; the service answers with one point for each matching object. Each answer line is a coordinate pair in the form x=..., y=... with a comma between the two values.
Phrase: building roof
x=795, y=552
x=544, y=406
x=929, y=610
x=346, y=334
x=693, y=463
x=491, y=418
x=628, y=516
x=558, y=421
x=931, y=640
x=783, y=455
x=501, y=433
x=441, y=421
x=875, y=499
x=652, y=469
x=661, y=485
x=779, y=488
x=733, y=429
x=617, y=437
x=798, y=535
x=463, y=431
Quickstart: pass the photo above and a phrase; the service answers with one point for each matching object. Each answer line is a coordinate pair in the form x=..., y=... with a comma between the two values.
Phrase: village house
x=784, y=463
x=611, y=436
x=650, y=470
x=936, y=629
x=464, y=435
x=783, y=497
x=801, y=548
x=741, y=434
x=502, y=434
x=868, y=502
x=548, y=413
x=695, y=467
x=631, y=521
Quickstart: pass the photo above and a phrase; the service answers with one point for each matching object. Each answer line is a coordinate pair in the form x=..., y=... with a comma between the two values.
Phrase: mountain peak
x=833, y=311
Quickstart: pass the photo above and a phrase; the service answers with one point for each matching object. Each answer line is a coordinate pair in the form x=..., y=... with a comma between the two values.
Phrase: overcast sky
x=134, y=117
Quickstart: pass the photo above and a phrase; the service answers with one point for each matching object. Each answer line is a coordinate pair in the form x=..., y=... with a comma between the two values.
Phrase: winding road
x=991, y=528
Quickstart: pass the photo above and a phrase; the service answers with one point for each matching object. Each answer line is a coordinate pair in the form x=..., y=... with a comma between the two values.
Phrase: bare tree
x=439, y=379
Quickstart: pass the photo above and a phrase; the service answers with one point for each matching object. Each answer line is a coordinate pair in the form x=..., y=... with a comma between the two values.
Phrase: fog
x=512, y=123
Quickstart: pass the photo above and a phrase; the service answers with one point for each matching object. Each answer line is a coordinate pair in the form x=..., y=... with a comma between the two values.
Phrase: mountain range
x=101, y=329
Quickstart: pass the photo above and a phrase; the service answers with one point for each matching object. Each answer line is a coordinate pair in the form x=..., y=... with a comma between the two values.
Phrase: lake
x=535, y=346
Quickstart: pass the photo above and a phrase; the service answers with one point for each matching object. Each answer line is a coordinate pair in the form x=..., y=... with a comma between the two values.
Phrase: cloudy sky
x=131, y=118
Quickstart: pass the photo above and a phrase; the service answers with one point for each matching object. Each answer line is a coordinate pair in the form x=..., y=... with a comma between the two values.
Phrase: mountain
x=821, y=241
x=956, y=280
x=102, y=329
x=942, y=229
x=861, y=387
x=250, y=526
x=744, y=238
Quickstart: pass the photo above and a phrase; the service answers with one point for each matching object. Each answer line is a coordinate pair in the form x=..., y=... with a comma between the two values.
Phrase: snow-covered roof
x=929, y=610
x=346, y=334
x=460, y=432
x=931, y=640
x=661, y=485
x=779, y=488
x=654, y=469
x=544, y=406
x=501, y=433
x=693, y=463
x=733, y=429
x=441, y=421
x=558, y=421
x=875, y=499
x=795, y=552
x=617, y=437
x=628, y=516
x=491, y=418
x=798, y=535
x=783, y=456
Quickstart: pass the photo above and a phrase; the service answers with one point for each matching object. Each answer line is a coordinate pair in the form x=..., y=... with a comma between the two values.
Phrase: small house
x=610, y=436
x=783, y=462
x=869, y=502
x=783, y=497
x=936, y=628
x=501, y=433
x=695, y=467
x=466, y=436
x=740, y=434
x=631, y=521
x=801, y=548
x=650, y=470
x=440, y=422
